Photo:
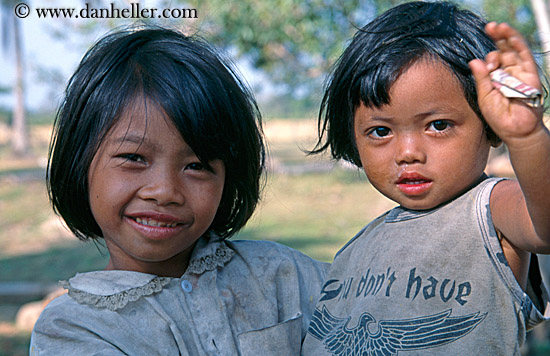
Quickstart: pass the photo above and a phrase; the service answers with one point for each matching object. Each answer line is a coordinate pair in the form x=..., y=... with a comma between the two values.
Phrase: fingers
x=501, y=31
x=512, y=48
x=492, y=60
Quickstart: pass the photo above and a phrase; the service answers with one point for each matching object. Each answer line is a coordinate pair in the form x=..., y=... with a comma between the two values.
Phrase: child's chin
x=418, y=205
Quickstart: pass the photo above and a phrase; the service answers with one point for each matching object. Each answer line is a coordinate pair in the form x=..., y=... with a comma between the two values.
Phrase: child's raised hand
x=511, y=119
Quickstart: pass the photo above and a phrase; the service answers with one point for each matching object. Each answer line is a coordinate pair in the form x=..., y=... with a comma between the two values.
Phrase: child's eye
x=379, y=132
x=440, y=125
x=196, y=166
x=132, y=157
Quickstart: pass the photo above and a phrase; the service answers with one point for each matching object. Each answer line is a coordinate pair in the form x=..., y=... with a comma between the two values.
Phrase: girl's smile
x=150, y=194
x=155, y=225
x=415, y=149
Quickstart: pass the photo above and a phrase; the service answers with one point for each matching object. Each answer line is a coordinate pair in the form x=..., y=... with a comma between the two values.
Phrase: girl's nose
x=164, y=188
x=410, y=149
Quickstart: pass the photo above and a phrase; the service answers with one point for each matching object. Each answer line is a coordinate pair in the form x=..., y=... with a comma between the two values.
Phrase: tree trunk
x=19, y=127
x=540, y=10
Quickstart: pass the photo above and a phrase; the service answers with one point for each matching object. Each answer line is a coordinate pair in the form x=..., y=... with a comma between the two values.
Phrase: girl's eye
x=439, y=125
x=133, y=157
x=196, y=166
x=379, y=132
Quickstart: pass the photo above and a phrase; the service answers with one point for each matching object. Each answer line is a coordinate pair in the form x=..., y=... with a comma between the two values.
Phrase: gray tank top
x=429, y=282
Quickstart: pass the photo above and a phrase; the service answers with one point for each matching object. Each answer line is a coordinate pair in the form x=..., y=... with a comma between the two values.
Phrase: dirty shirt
x=236, y=298
x=432, y=282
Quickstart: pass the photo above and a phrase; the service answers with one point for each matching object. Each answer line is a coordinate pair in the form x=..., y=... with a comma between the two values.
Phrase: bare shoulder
x=511, y=217
x=508, y=209
x=504, y=192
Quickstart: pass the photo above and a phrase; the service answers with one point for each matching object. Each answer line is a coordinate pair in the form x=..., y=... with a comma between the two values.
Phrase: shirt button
x=186, y=286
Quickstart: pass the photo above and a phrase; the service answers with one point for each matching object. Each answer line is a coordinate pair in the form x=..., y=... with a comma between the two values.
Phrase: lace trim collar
x=209, y=254
x=117, y=300
x=115, y=289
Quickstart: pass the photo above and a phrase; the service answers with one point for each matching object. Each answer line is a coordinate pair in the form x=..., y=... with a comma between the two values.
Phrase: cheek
x=95, y=189
x=108, y=195
x=95, y=180
x=375, y=174
x=98, y=204
x=378, y=170
x=98, y=188
x=364, y=153
x=481, y=157
x=207, y=196
x=216, y=197
x=375, y=161
x=464, y=161
x=477, y=151
x=94, y=193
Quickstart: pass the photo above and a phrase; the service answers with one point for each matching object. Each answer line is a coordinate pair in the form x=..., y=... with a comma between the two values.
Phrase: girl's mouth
x=152, y=222
x=413, y=181
x=413, y=184
x=156, y=226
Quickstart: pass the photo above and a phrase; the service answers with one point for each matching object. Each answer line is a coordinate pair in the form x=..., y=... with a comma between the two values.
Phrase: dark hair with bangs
x=385, y=48
x=199, y=92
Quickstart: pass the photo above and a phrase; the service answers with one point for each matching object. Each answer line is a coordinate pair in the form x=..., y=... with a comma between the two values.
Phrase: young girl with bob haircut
x=158, y=150
x=451, y=270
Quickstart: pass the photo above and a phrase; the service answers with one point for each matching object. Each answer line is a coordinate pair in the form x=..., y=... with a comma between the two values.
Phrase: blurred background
x=284, y=49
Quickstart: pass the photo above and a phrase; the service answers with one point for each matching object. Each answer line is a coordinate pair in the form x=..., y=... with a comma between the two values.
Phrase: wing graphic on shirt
x=391, y=335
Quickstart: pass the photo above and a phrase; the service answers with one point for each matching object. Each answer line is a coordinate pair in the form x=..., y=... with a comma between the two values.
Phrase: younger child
x=446, y=272
x=157, y=150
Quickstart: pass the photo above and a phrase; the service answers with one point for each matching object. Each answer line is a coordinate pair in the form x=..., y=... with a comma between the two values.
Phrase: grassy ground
x=308, y=203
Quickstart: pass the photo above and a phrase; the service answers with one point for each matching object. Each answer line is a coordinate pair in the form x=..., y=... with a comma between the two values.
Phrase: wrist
x=538, y=137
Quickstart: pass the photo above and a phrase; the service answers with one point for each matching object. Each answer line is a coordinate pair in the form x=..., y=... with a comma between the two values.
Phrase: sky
x=46, y=53
x=40, y=50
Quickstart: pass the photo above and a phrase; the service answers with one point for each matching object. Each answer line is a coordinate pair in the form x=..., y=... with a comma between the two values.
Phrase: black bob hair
x=385, y=48
x=213, y=110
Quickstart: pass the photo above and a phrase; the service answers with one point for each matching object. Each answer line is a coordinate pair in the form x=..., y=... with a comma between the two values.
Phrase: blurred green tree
x=517, y=13
x=294, y=42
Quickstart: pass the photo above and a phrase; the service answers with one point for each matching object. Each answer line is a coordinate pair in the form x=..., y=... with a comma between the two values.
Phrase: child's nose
x=164, y=187
x=410, y=150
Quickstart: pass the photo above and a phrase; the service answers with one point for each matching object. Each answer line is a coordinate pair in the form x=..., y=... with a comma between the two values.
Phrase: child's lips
x=155, y=218
x=157, y=223
x=412, y=183
x=154, y=225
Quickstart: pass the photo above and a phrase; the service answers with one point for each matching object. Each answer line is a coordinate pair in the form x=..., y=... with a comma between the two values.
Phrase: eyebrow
x=380, y=118
x=131, y=138
x=142, y=140
x=420, y=116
